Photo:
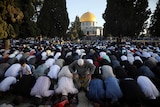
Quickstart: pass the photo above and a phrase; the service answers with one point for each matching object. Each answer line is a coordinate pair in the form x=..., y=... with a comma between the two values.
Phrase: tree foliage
x=28, y=27
x=155, y=22
x=125, y=17
x=53, y=19
x=75, y=29
x=10, y=15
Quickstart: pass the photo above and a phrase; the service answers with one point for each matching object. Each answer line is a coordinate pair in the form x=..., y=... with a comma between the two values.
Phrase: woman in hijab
x=96, y=92
x=111, y=83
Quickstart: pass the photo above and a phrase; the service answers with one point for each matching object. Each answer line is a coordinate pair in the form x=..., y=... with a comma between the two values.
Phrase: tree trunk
x=119, y=40
x=6, y=44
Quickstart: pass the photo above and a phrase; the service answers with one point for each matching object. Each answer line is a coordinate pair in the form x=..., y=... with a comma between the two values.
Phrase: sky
x=97, y=7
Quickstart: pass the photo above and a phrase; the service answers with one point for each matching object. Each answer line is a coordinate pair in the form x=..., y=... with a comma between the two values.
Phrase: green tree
x=125, y=17
x=154, y=28
x=75, y=29
x=10, y=15
x=28, y=27
x=53, y=19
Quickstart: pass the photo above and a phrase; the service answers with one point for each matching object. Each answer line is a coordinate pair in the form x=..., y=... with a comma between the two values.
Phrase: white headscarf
x=107, y=71
x=44, y=55
x=57, y=55
x=145, y=54
x=148, y=88
x=130, y=58
x=49, y=62
x=123, y=58
x=138, y=58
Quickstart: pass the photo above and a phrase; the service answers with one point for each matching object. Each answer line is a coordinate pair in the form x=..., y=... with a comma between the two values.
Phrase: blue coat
x=113, y=90
x=96, y=91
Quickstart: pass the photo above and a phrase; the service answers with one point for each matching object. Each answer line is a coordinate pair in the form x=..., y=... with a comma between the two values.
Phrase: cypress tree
x=125, y=17
x=154, y=28
x=28, y=27
x=53, y=19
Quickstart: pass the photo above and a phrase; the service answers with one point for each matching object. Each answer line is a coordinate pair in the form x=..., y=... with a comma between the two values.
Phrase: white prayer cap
x=80, y=62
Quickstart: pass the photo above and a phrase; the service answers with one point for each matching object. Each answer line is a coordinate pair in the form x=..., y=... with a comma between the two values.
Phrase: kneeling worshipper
x=65, y=83
x=13, y=70
x=42, y=87
x=132, y=93
x=6, y=83
x=55, y=68
x=113, y=91
x=43, y=69
x=96, y=92
x=148, y=88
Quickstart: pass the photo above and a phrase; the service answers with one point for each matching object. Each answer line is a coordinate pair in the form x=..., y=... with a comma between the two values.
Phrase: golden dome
x=88, y=17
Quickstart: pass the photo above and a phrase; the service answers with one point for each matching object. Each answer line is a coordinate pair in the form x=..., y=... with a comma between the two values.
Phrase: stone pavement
x=8, y=98
x=83, y=101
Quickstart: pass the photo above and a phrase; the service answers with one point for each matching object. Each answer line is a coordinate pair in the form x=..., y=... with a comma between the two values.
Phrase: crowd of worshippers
x=109, y=74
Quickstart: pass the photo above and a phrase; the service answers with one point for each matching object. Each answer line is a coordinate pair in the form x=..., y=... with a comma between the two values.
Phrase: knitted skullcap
x=80, y=62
